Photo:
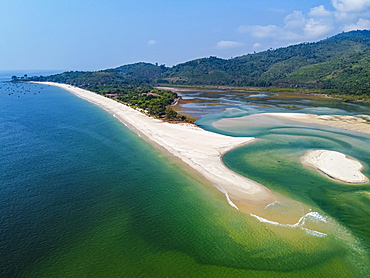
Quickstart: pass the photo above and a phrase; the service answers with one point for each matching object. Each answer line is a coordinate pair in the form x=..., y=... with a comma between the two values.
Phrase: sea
x=84, y=196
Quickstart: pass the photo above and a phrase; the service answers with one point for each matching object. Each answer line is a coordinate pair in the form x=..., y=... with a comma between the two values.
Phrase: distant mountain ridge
x=340, y=63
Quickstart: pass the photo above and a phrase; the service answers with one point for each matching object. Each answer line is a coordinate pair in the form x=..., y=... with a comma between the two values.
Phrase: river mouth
x=274, y=159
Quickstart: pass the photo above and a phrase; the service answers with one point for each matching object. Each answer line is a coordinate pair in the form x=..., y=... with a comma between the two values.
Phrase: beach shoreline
x=200, y=149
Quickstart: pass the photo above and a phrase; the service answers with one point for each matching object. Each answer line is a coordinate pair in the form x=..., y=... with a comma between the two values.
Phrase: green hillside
x=303, y=65
x=133, y=75
x=146, y=72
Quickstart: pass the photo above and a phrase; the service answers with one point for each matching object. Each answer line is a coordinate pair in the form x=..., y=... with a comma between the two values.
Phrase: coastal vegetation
x=338, y=66
x=133, y=91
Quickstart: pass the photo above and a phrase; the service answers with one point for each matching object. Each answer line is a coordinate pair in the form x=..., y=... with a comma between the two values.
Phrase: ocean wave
x=272, y=204
x=313, y=232
x=313, y=216
x=220, y=188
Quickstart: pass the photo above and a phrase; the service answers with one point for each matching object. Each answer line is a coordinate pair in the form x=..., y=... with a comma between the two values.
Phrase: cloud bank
x=319, y=22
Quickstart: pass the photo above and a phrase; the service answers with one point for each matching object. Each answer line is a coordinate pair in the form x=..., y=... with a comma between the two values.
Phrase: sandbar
x=200, y=149
x=359, y=123
x=335, y=165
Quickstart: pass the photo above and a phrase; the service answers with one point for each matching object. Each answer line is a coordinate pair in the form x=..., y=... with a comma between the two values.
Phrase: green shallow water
x=83, y=196
x=274, y=161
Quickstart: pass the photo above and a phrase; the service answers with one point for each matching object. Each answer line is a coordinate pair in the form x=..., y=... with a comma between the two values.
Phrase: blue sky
x=96, y=34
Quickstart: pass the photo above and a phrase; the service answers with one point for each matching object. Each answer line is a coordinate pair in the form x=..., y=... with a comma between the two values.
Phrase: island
x=335, y=165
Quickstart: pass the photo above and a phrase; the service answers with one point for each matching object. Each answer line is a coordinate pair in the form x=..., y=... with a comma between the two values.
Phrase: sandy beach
x=335, y=165
x=359, y=123
x=200, y=149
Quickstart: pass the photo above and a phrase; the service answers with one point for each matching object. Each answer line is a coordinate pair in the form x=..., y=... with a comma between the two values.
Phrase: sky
x=96, y=34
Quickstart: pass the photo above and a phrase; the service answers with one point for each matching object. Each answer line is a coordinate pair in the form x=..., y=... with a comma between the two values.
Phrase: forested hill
x=133, y=75
x=340, y=64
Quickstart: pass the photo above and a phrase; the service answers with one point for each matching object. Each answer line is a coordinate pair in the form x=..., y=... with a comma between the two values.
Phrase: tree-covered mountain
x=146, y=72
x=340, y=64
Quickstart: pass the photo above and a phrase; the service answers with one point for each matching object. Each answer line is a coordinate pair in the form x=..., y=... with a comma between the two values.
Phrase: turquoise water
x=274, y=159
x=83, y=196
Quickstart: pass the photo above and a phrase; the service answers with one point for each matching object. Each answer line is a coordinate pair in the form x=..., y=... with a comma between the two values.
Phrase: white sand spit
x=200, y=149
x=359, y=123
x=335, y=165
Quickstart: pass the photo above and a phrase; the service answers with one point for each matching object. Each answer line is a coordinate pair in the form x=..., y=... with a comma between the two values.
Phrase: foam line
x=272, y=204
x=299, y=224
x=227, y=196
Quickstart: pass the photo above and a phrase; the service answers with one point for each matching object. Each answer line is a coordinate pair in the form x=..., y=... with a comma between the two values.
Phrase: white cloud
x=319, y=11
x=228, y=44
x=349, y=11
x=257, y=46
x=152, y=42
x=361, y=24
x=297, y=26
x=294, y=20
x=319, y=23
x=348, y=6
x=316, y=28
